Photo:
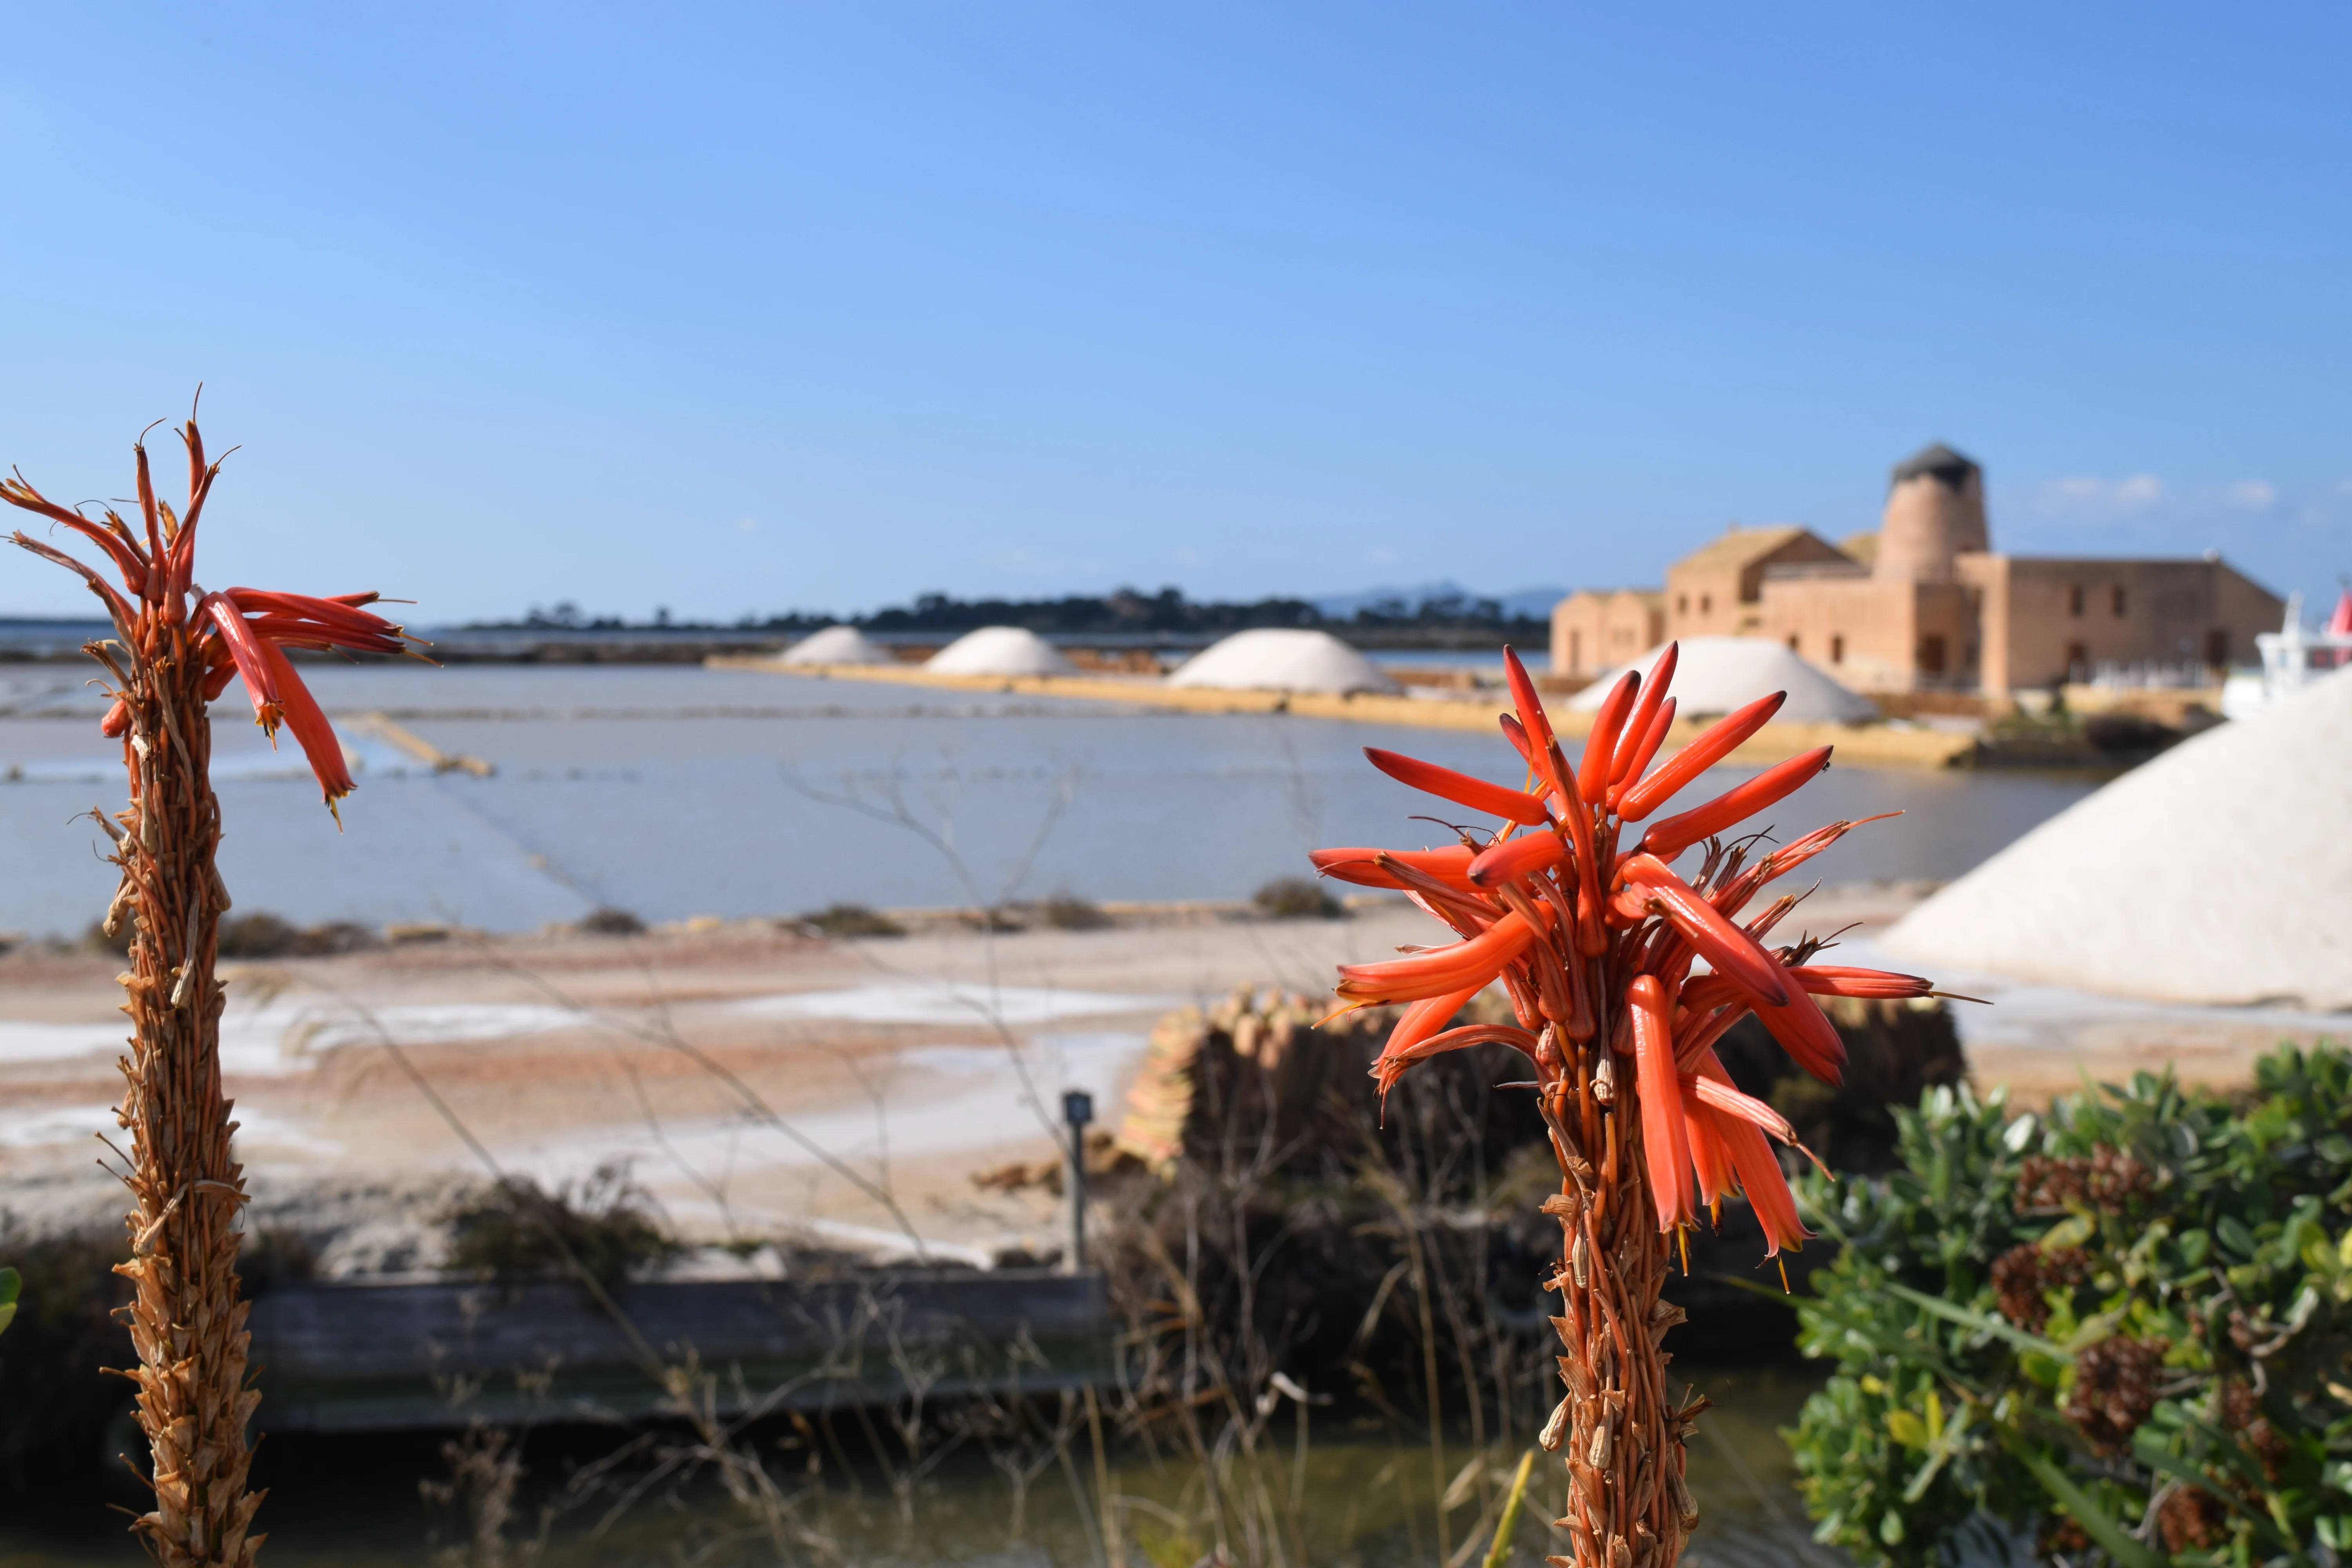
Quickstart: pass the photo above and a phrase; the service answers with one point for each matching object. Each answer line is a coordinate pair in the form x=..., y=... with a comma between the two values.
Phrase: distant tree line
x=1125, y=613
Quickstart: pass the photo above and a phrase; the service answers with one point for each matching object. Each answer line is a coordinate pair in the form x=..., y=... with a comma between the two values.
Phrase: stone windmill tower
x=1935, y=511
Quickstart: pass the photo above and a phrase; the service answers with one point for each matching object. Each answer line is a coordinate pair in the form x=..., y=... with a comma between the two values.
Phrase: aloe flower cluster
x=175, y=648
x=1599, y=943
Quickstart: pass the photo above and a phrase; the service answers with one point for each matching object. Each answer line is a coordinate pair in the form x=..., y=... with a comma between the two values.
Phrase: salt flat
x=757, y=1080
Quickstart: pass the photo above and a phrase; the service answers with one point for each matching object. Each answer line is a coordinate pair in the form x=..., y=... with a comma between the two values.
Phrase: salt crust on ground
x=1278, y=659
x=2220, y=873
x=1715, y=674
x=837, y=644
x=1000, y=650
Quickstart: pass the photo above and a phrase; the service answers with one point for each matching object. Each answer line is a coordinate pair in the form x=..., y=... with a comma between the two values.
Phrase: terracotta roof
x=1647, y=596
x=1738, y=546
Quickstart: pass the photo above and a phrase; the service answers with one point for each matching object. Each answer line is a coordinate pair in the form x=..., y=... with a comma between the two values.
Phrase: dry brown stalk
x=176, y=649
x=187, y=1323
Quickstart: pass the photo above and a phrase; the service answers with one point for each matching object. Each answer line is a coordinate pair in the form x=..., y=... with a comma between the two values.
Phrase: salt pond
x=678, y=791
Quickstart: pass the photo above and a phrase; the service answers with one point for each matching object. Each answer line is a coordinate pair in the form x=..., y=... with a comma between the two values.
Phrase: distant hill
x=1524, y=604
x=1438, y=615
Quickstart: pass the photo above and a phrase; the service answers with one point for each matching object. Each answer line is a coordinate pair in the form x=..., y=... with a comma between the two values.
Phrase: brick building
x=1925, y=604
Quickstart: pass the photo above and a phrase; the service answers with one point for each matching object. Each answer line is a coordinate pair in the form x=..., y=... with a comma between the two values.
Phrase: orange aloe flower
x=1625, y=964
x=237, y=633
x=1595, y=944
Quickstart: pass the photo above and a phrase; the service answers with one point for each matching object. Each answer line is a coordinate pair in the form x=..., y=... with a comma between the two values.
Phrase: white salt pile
x=1000, y=650
x=837, y=644
x=2220, y=873
x=1715, y=674
x=1278, y=659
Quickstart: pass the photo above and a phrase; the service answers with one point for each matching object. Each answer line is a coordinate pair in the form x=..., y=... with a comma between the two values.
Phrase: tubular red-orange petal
x=1823, y=980
x=1669, y=837
x=1804, y=1032
x=335, y=612
x=1516, y=858
x=1761, y=1178
x=1463, y=966
x=251, y=657
x=1418, y=1023
x=309, y=723
x=1705, y=993
x=117, y=722
x=1392, y=1063
x=1642, y=747
x=1718, y=741
x=1665, y=1144
x=1601, y=743
x=1728, y=949
x=1514, y=806
x=1710, y=1160
x=1533, y=719
x=1644, y=718
x=1450, y=865
x=1716, y=1091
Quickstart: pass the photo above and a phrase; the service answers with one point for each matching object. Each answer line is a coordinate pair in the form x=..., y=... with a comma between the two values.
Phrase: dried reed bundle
x=1595, y=946
x=176, y=649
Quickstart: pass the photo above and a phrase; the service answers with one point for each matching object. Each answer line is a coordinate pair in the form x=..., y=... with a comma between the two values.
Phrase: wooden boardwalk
x=350, y=1356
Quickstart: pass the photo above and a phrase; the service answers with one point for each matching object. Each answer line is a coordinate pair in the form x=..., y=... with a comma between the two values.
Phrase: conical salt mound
x=1715, y=674
x=1000, y=650
x=837, y=644
x=2221, y=872
x=1277, y=659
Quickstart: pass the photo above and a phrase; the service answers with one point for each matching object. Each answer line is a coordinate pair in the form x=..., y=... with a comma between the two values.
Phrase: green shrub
x=1297, y=899
x=851, y=920
x=9, y=1285
x=1067, y=911
x=2120, y=1334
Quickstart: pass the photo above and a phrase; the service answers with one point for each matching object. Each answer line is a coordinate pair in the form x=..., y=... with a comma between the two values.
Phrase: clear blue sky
x=829, y=305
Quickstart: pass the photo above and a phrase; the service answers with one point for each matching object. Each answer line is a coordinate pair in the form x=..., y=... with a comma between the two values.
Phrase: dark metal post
x=1077, y=1110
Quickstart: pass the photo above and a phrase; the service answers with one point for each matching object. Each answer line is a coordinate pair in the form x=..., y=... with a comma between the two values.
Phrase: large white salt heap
x=837, y=644
x=1715, y=674
x=1000, y=650
x=1274, y=658
x=2218, y=873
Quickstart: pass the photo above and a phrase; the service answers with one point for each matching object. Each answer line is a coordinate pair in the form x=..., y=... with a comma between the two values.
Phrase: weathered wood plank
x=350, y=1356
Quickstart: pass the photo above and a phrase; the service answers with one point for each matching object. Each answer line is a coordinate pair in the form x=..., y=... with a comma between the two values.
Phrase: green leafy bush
x=1297, y=899
x=850, y=920
x=2119, y=1335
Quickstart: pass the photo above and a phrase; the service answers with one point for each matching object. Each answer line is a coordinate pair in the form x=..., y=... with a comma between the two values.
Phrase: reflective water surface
x=676, y=791
x=1348, y=1499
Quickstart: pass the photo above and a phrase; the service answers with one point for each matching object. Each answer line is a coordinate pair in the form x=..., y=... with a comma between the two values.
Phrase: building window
x=2116, y=597
x=1837, y=647
x=2075, y=599
x=1792, y=642
x=1707, y=603
x=1682, y=604
x=1575, y=650
x=1931, y=654
x=2078, y=660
